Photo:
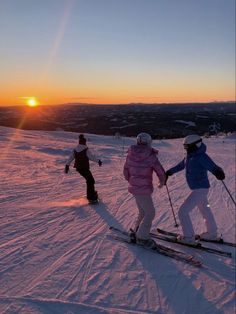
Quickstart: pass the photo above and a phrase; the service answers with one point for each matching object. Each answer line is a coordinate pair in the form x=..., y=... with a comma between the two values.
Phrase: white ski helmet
x=144, y=139
x=193, y=139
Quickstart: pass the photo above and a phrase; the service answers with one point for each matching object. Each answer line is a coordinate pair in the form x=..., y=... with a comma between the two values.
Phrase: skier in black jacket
x=81, y=155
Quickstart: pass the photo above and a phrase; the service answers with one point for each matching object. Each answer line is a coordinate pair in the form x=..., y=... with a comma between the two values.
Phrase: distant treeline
x=160, y=120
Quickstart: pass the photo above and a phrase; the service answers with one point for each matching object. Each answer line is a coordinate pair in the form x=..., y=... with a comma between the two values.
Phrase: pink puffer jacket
x=140, y=163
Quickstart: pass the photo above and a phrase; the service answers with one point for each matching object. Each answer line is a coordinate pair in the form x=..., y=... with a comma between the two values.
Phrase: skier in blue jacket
x=196, y=164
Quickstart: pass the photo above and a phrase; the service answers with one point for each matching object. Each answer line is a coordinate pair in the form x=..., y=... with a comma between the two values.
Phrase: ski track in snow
x=55, y=252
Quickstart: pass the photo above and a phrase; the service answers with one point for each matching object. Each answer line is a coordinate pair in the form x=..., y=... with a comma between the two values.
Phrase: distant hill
x=160, y=120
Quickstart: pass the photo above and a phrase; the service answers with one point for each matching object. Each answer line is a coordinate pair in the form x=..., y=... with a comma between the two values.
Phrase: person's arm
x=209, y=165
x=126, y=171
x=160, y=172
x=179, y=167
x=93, y=157
x=71, y=158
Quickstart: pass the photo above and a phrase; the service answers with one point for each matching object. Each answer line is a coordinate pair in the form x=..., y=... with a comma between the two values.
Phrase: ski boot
x=187, y=240
x=209, y=236
x=93, y=199
x=132, y=236
x=149, y=243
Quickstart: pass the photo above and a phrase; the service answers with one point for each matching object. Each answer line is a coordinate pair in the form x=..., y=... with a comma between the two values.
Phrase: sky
x=117, y=51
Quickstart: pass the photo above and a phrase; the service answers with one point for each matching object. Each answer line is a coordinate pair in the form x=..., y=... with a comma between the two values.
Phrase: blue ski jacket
x=196, y=165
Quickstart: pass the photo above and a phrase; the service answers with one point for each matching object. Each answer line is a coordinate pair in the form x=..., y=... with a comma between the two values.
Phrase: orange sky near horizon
x=134, y=92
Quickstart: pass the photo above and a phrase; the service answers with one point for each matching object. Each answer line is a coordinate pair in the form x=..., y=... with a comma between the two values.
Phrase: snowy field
x=56, y=255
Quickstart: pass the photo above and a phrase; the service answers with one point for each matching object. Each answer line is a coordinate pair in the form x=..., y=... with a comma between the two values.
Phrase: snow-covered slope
x=55, y=252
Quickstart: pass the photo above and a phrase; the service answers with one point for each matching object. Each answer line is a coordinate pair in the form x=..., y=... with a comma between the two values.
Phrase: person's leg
x=140, y=215
x=184, y=213
x=207, y=215
x=91, y=193
x=146, y=204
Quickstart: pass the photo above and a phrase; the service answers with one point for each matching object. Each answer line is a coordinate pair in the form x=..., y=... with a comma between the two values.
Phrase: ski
x=160, y=249
x=220, y=241
x=198, y=246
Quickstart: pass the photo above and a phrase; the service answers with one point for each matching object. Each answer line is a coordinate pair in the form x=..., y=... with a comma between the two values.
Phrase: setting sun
x=32, y=102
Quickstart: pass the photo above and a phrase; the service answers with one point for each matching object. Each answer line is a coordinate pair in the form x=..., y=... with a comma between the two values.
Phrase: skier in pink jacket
x=140, y=163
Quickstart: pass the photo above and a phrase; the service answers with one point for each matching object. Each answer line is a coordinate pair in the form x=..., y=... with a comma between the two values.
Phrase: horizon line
x=126, y=104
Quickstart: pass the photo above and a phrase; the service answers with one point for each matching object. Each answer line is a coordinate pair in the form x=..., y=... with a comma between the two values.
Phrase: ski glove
x=67, y=168
x=99, y=162
x=219, y=174
x=168, y=174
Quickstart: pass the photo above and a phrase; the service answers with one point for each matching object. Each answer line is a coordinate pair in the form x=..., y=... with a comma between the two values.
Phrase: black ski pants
x=91, y=193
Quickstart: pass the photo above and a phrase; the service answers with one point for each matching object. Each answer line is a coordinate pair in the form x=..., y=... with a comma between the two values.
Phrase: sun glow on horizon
x=32, y=102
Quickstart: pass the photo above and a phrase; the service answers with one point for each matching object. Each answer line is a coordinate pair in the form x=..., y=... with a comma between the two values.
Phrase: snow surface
x=56, y=255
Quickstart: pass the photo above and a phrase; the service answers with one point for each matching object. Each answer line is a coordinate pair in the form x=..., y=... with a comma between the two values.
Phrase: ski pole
x=228, y=192
x=176, y=224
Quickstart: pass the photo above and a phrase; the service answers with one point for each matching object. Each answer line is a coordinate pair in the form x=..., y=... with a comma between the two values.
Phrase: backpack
x=81, y=160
